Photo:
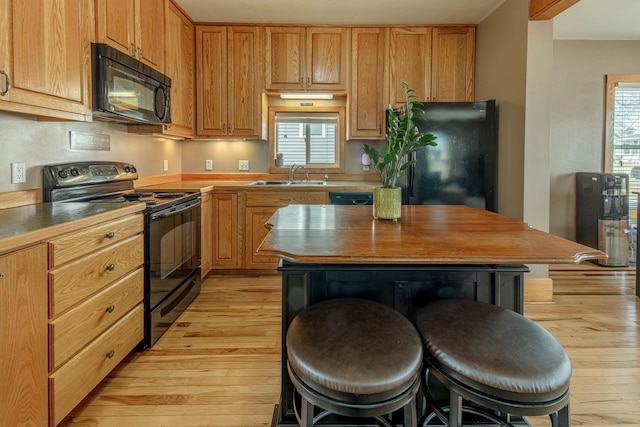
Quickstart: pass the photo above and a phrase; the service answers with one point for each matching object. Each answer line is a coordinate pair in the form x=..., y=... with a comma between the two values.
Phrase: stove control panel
x=84, y=173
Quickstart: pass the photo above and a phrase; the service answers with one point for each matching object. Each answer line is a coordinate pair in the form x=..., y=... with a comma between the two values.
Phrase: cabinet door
x=410, y=61
x=23, y=337
x=206, y=234
x=367, y=83
x=211, y=51
x=151, y=33
x=285, y=56
x=180, y=50
x=244, y=80
x=256, y=229
x=116, y=24
x=327, y=58
x=453, y=64
x=225, y=232
x=45, y=58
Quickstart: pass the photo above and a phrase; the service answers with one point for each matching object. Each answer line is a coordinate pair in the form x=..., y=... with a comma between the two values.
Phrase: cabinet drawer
x=76, y=378
x=286, y=197
x=70, y=284
x=74, y=329
x=71, y=246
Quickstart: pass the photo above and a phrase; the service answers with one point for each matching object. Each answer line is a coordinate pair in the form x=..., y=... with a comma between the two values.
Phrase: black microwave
x=127, y=91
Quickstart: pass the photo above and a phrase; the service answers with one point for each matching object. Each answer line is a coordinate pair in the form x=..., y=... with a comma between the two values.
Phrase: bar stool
x=496, y=360
x=356, y=358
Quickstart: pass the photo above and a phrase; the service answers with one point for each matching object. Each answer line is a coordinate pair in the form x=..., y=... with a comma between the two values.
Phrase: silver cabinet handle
x=111, y=308
x=7, y=84
x=111, y=267
x=308, y=82
x=302, y=82
x=110, y=235
x=1, y=275
x=110, y=354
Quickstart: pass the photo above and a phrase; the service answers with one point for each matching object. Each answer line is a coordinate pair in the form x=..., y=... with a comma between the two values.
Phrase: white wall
x=37, y=143
x=577, y=116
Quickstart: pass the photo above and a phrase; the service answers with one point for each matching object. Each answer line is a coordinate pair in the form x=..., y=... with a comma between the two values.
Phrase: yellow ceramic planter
x=387, y=203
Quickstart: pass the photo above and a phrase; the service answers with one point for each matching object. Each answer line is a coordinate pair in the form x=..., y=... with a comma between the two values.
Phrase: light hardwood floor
x=219, y=365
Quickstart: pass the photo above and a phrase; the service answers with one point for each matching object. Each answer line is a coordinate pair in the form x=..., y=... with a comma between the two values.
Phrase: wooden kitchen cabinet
x=135, y=27
x=368, y=100
x=23, y=337
x=225, y=236
x=453, y=53
x=312, y=58
x=179, y=66
x=229, y=70
x=94, y=305
x=410, y=61
x=206, y=234
x=260, y=206
x=45, y=58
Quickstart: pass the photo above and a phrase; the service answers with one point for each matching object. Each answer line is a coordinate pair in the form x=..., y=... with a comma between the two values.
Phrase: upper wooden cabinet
x=180, y=60
x=313, y=58
x=410, y=61
x=229, y=70
x=45, y=58
x=452, y=67
x=368, y=77
x=436, y=62
x=135, y=27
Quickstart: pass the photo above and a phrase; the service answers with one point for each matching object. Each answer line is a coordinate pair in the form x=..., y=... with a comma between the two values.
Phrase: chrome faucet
x=293, y=170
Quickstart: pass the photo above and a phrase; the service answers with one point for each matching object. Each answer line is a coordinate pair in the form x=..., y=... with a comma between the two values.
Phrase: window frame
x=611, y=81
x=341, y=134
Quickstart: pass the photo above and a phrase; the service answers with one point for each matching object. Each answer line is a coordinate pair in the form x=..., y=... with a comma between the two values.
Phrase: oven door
x=173, y=250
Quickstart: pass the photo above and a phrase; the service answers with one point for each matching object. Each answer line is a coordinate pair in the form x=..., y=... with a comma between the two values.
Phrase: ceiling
x=586, y=20
x=599, y=20
x=341, y=11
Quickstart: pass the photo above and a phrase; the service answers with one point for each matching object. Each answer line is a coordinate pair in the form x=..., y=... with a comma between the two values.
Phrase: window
x=622, y=151
x=312, y=138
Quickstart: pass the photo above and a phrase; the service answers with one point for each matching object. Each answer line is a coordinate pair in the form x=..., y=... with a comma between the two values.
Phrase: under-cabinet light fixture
x=306, y=95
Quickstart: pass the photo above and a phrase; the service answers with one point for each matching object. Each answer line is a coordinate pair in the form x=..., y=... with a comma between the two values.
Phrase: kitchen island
x=430, y=253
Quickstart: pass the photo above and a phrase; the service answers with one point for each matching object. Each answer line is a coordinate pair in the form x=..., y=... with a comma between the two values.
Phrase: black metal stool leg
x=455, y=409
x=306, y=416
x=564, y=417
x=410, y=413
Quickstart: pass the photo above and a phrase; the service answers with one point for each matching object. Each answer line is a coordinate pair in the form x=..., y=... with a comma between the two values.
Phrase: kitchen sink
x=310, y=182
x=269, y=183
x=299, y=182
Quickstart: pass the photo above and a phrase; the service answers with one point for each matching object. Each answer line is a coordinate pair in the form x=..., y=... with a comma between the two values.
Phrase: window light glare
x=306, y=95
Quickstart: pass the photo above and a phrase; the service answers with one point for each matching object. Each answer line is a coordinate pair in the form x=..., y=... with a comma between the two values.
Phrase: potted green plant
x=392, y=160
x=279, y=159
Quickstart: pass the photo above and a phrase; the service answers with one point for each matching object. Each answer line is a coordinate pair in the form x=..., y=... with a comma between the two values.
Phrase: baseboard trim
x=538, y=290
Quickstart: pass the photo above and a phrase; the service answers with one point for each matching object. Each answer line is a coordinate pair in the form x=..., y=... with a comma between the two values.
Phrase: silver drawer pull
x=111, y=267
x=1, y=275
x=111, y=354
x=110, y=235
x=7, y=84
x=111, y=308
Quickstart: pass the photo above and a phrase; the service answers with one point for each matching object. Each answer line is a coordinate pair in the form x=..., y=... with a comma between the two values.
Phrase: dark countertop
x=25, y=225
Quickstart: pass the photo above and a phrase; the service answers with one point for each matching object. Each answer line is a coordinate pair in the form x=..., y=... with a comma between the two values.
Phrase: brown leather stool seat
x=494, y=358
x=356, y=358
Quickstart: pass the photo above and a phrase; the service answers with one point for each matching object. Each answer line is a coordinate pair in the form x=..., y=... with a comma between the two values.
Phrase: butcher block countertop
x=26, y=225
x=453, y=234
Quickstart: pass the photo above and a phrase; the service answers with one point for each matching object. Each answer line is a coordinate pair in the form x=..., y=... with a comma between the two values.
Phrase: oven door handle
x=170, y=212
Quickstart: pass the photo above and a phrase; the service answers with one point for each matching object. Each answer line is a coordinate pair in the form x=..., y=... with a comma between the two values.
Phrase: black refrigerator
x=462, y=168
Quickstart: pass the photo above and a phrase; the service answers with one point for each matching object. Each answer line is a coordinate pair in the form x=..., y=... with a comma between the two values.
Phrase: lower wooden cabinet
x=206, y=235
x=255, y=219
x=225, y=235
x=23, y=337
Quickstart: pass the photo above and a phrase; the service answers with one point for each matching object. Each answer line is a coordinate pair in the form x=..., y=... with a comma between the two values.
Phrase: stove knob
x=74, y=172
x=127, y=169
x=63, y=174
x=133, y=169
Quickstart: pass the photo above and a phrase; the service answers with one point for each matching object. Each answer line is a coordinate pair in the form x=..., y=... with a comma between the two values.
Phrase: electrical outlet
x=165, y=165
x=243, y=165
x=18, y=173
x=208, y=165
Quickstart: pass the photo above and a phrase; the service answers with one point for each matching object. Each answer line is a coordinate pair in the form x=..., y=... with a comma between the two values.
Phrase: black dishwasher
x=351, y=197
